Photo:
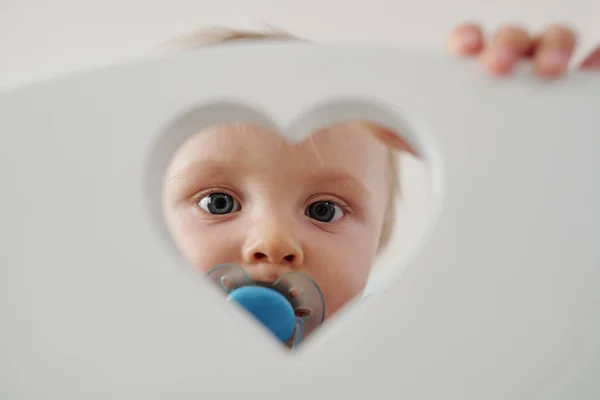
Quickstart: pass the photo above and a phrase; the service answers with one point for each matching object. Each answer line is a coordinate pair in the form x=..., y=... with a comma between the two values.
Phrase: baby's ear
x=391, y=138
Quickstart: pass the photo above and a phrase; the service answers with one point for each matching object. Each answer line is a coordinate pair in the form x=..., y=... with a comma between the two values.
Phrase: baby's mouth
x=262, y=284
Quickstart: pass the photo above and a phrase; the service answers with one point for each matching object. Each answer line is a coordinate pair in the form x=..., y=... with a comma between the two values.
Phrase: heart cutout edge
x=179, y=128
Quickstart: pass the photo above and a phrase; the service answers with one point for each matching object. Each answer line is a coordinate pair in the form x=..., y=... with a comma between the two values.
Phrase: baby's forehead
x=348, y=146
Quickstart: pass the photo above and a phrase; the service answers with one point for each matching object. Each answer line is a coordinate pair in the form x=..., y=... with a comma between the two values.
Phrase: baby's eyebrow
x=195, y=169
x=187, y=180
x=341, y=179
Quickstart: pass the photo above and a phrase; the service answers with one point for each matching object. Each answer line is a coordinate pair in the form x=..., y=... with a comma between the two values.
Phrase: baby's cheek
x=340, y=294
x=342, y=264
x=211, y=245
x=343, y=282
x=189, y=239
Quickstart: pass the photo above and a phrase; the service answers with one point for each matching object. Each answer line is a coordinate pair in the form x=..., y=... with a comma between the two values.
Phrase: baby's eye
x=324, y=211
x=219, y=204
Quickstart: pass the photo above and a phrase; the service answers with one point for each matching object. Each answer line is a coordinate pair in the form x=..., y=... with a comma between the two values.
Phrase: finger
x=533, y=47
x=593, y=60
x=466, y=39
x=508, y=46
x=554, y=50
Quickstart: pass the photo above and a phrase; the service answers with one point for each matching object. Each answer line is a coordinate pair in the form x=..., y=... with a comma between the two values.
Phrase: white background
x=473, y=321
x=42, y=38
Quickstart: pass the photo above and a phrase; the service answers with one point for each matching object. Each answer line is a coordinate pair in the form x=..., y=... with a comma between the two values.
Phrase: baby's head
x=239, y=193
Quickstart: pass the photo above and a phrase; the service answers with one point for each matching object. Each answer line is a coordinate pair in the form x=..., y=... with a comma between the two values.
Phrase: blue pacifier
x=291, y=308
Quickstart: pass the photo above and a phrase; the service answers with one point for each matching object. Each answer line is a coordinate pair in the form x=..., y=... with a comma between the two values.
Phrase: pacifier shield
x=270, y=307
x=229, y=277
x=293, y=299
x=306, y=298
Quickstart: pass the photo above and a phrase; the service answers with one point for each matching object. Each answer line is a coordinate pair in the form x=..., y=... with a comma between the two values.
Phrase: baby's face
x=241, y=194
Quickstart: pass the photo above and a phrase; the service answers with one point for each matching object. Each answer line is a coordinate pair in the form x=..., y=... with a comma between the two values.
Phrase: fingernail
x=554, y=59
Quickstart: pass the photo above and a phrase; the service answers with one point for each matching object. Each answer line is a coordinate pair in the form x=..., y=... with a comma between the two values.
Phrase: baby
x=239, y=193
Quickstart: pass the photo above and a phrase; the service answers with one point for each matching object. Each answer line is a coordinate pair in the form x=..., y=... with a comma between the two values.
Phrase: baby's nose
x=273, y=247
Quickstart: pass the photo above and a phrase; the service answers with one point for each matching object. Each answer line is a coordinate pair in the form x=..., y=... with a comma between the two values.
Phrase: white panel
x=500, y=302
x=40, y=39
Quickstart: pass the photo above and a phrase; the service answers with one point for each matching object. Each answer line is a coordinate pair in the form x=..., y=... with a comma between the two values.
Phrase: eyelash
x=214, y=190
x=321, y=197
x=332, y=199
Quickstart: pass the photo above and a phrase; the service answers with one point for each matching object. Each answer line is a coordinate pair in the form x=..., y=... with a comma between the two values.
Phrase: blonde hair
x=219, y=35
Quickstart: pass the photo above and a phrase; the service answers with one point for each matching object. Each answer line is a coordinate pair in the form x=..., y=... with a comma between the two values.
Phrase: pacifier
x=291, y=308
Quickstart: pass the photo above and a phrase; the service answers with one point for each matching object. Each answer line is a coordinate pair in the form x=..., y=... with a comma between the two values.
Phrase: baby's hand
x=550, y=52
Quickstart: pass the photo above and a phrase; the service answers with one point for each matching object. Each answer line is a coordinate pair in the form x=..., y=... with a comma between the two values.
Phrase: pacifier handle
x=269, y=307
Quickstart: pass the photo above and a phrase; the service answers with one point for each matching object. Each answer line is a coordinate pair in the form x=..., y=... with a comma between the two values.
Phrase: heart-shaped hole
x=339, y=207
